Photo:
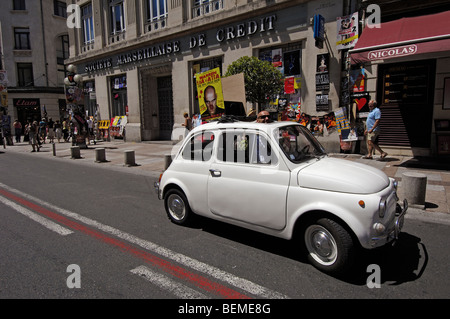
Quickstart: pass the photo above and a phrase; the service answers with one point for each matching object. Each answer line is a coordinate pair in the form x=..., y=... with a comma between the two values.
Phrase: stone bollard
x=167, y=161
x=129, y=158
x=100, y=155
x=414, y=186
x=75, y=152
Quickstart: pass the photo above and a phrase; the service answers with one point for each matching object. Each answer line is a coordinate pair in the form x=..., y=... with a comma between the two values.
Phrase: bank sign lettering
x=228, y=33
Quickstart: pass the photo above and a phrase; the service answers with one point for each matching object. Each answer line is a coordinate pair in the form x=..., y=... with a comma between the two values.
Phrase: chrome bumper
x=157, y=190
x=400, y=218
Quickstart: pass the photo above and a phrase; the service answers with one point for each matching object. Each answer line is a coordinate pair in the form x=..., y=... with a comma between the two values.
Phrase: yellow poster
x=210, y=95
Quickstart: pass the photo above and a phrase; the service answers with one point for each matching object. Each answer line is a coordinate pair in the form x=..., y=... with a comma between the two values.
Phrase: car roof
x=268, y=127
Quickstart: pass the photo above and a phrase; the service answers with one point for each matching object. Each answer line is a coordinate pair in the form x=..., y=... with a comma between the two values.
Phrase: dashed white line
x=37, y=218
x=241, y=283
x=165, y=283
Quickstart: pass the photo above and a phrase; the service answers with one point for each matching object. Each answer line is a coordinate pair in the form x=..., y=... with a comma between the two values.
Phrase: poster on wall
x=210, y=94
x=322, y=102
x=277, y=58
x=361, y=104
x=347, y=34
x=322, y=77
x=357, y=80
x=291, y=63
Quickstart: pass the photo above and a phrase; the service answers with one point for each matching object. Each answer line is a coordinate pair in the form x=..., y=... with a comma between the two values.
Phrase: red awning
x=407, y=36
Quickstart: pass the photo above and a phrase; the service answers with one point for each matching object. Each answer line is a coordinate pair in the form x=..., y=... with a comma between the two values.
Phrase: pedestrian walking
x=43, y=129
x=373, y=130
x=33, y=133
x=58, y=130
x=17, y=130
x=51, y=132
x=65, y=130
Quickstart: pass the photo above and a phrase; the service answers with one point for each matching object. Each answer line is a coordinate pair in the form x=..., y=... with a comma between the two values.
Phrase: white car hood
x=338, y=175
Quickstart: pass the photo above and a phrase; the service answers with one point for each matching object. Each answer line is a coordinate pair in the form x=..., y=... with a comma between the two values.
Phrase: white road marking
x=165, y=283
x=36, y=217
x=241, y=283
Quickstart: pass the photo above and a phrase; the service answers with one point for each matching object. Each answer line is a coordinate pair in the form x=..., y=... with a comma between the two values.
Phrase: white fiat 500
x=275, y=178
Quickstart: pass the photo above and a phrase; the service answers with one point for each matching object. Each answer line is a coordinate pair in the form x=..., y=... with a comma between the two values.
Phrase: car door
x=247, y=182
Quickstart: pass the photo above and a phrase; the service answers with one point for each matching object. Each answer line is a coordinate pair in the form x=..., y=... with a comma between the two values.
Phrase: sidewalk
x=150, y=160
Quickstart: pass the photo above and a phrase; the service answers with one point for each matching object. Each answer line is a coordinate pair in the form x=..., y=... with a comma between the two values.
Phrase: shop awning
x=407, y=36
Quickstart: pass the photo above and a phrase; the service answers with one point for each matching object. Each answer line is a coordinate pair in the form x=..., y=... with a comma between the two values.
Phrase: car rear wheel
x=177, y=207
x=329, y=246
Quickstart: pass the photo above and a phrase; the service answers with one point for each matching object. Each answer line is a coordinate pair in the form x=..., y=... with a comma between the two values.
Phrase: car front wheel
x=329, y=246
x=177, y=207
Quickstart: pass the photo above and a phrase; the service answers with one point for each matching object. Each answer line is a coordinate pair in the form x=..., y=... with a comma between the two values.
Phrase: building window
x=25, y=74
x=19, y=5
x=156, y=15
x=119, y=95
x=88, y=24
x=62, y=53
x=203, y=7
x=117, y=16
x=60, y=8
x=22, y=38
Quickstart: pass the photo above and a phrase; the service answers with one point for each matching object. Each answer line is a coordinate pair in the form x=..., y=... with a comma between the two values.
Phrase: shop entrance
x=165, y=107
x=405, y=98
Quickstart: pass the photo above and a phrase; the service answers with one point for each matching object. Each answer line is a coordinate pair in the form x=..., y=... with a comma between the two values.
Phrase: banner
x=210, y=95
x=347, y=34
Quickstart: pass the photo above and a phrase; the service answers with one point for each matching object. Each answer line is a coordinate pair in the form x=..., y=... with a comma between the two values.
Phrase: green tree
x=262, y=79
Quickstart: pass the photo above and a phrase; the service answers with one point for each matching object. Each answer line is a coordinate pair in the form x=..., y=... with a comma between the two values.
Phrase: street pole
x=75, y=105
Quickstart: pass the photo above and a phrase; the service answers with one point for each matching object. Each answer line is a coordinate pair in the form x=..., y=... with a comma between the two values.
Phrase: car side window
x=199, y=147
x=244, y=147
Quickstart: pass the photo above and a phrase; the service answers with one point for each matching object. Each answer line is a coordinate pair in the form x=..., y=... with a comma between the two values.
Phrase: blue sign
x=319, y=27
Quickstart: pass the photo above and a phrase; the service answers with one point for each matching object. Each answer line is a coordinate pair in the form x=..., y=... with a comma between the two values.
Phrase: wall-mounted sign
x=26, y=102
x=392, y=52
x=235, y=32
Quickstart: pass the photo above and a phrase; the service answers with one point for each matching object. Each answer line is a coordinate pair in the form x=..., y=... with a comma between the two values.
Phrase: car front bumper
x=393, y=231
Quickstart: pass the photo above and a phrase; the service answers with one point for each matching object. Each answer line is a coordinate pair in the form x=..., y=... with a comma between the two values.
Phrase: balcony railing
x=207, y=8
x=156, y=24
x=118, y=36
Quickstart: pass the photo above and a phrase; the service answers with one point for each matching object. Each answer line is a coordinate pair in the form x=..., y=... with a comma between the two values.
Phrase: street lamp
x=75, y=105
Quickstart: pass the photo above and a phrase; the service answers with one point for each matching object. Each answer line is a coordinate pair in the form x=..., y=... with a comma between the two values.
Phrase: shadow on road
x=402, y=262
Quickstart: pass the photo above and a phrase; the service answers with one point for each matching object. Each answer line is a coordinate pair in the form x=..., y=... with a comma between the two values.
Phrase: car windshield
x=298, y=144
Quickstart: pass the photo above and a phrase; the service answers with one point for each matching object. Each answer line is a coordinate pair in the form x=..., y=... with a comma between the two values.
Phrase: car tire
x=329, y=246
x=177, y=207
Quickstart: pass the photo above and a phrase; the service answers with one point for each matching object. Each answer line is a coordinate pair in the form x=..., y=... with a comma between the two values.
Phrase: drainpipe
x=43, y=43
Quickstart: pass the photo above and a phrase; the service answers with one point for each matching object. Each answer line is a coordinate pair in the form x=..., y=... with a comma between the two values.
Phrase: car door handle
x=215, y=173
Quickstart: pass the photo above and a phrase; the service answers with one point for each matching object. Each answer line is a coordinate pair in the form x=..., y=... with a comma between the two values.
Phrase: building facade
x=34, y=46
x=140, y=57
x=406, y=63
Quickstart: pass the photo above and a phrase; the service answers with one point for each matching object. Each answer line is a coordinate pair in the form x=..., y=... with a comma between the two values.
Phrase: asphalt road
x=105, y=235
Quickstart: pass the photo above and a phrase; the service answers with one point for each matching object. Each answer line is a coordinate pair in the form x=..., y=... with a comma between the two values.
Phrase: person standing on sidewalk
x=373, y=130
x=17, y=130
x=33, y=133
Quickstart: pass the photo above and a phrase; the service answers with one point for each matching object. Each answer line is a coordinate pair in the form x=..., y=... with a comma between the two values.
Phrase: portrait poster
x=323, y=61
x=210, y=95
x=347, y=34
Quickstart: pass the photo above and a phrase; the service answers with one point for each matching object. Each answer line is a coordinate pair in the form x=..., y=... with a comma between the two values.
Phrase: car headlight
x=395, y=185
x=382, y=207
